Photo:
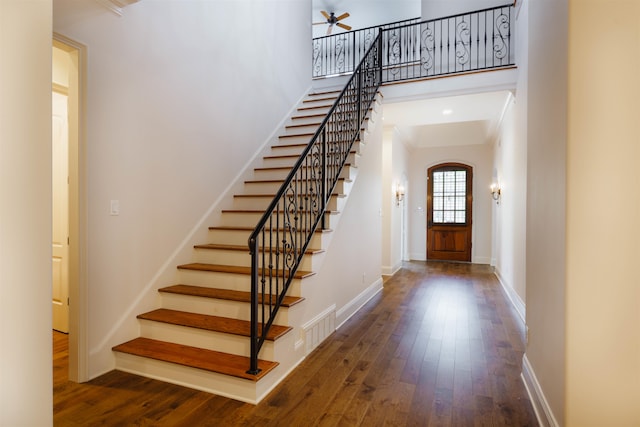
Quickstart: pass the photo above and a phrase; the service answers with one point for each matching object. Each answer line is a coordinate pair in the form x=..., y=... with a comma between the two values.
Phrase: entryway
x=67, y=204
x=449, y=209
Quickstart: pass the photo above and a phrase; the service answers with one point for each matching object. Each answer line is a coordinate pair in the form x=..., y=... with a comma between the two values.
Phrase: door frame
x=78, y=283
x=468, y=207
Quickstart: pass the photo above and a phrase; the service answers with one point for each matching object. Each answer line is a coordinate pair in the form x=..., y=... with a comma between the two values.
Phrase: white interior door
x=60, y=214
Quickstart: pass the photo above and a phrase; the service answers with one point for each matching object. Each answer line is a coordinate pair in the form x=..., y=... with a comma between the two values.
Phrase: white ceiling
x=456, y=120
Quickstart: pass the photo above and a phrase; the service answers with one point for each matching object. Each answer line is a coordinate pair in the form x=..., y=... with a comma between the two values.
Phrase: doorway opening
x=69, y=205
x=449, y=212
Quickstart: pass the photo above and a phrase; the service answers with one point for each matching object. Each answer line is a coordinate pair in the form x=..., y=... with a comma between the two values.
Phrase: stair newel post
x=253, y=249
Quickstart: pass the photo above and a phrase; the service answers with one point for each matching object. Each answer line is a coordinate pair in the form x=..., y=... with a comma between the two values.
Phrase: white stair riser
x=250, y=219
x=234, y=237
x=273, y=162
x=242, y=259
x=210, y=340
x=224, y=308
x=293, y=138
x=318, y=108
x=306, y=127
x=348, y=172
x=304, y=117
x=262, y=202
x=284, y=149
x=314, y=101
x=237, y=282
x=268, y=187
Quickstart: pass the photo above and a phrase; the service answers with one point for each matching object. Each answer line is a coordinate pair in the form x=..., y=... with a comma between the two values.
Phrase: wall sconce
x=495, y=193
x=399, y=194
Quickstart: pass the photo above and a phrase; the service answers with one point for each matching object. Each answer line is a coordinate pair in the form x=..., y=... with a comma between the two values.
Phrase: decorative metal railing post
x=253, y=248
x=323, y=174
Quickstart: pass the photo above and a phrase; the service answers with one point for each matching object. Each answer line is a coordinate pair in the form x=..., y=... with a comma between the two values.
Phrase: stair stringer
x=288, y=351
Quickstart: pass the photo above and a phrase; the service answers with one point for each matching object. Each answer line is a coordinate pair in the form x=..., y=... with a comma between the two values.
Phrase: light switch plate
x=114, y=207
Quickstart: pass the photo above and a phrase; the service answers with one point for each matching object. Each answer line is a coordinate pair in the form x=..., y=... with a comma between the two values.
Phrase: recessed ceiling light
x=446, y=112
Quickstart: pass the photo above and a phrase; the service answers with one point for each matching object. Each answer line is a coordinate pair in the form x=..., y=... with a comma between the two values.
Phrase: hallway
x=441, y=345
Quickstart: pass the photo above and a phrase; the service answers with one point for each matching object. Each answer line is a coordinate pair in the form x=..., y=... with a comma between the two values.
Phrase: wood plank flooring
x=440, y=346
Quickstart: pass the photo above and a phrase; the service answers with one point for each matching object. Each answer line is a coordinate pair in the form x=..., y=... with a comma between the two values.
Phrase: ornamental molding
x=116, y=6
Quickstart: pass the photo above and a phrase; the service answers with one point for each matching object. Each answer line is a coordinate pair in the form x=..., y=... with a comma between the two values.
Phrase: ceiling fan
x=332, y=20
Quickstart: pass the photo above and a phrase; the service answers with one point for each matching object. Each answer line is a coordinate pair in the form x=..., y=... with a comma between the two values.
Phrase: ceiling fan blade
x=319, y=23
x=329, y=29
x=344, y=15
x=325, y=14
x=346, y=27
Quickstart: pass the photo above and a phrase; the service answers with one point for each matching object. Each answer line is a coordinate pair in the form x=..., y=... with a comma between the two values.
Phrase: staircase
x=199, y=337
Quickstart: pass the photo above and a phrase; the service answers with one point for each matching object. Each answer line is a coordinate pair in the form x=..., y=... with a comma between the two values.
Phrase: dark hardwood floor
x=440, y=346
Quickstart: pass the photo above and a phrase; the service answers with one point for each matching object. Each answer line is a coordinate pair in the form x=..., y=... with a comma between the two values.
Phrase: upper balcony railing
x=412, y=49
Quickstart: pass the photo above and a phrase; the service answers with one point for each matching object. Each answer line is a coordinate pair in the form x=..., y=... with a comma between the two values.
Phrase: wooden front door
x=449, y=203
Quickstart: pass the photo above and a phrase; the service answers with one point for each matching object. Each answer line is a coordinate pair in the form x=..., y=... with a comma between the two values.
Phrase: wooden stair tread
x=320, y=97
x=244, y=248
x=208, y=360
x=235, y=269
x=240, y=228
x=261, y=211
x=275, y=181
x=298, y=145
x=240, y=196
x=224, y=294
x=293, y=156
x=296, y=135
x=274, y=168
x=325, y=92
x=211, y=323
x=315, y=107
x=304, y=125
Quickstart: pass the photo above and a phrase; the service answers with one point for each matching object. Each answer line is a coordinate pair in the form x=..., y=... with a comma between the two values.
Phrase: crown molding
x=116, y=6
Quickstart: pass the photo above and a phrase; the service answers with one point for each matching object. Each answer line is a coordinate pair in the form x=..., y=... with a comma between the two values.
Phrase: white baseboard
x=513, y=296
x=390, y=271
x=355, y=304
x=538, y=401
x=418, y=256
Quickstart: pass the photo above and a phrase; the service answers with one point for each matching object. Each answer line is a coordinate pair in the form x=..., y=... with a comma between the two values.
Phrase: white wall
x=546, y=196
x=442, y=8
x=480, y=158
x=170, y=87
x=25, y=213
x=510, y=173
x=364, y=13
x=351, y=270
x=399, y=212
x=602, y=283
x=395, y=172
